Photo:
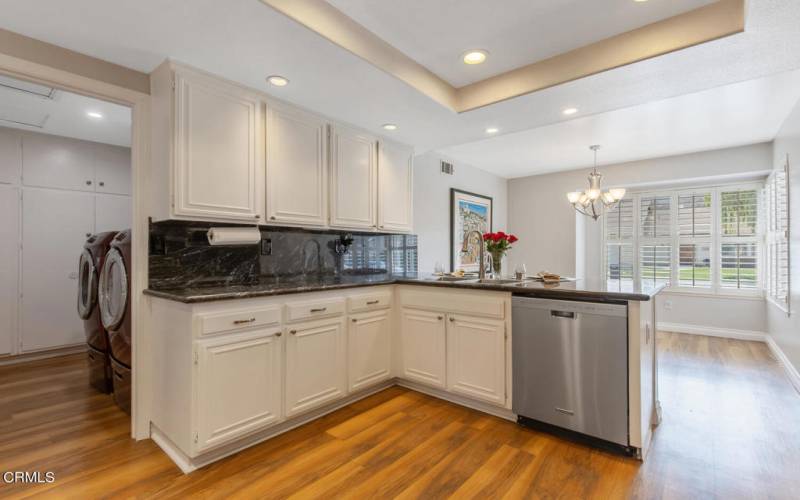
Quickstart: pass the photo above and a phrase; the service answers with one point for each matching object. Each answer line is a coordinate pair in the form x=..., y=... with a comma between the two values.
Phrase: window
x=695, y=219
x=703, y=239
x=739, y=245
x=655, y=239
x=619, y=244
x=776, y=219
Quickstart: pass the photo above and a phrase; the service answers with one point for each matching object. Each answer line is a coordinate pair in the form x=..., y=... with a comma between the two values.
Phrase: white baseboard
x=728, y=333
x=791, y=371
x=13, y=359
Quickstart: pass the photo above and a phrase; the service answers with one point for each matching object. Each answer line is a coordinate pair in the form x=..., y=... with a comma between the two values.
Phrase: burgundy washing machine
x=89, y=266
x=114, y=299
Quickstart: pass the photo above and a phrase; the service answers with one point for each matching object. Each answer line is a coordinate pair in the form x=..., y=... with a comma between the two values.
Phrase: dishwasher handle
x=563, y=314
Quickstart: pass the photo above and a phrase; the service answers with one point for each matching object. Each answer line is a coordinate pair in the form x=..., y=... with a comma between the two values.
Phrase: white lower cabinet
x=423, y=340
x=476, y=357
x=369, y=337
x=316, y=370
x=239, y=385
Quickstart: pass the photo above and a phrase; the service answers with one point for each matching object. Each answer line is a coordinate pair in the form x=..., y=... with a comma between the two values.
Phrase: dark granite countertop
x=595, y=290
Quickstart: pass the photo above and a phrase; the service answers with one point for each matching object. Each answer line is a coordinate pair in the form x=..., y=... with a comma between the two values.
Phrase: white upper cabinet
x=10, y=156
x=217, y=149
x=239, y=386
x=354, y=173
x=296, y=167
x=476, y=358
x=396, y=184
x=58, y=162
x=112, y=169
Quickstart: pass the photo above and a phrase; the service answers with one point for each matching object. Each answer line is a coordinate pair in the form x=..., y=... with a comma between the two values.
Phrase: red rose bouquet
x=497, y=244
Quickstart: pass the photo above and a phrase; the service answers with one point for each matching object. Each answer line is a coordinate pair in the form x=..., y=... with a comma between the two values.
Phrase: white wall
x=785, y=330
x=555, y=238
x=432, y=204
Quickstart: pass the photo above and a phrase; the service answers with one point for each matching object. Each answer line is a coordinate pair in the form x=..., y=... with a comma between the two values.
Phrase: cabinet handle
x=242, y=321
x=440, y=317
x=102, y=183
x=278, y=334
x=319, y=309
x=373, y=302
x=293, y=332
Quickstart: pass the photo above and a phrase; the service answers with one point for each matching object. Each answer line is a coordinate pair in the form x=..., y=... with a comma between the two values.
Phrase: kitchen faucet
x=481, y=252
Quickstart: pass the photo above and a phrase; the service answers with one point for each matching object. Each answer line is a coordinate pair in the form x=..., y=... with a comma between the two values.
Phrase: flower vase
x=497, y=263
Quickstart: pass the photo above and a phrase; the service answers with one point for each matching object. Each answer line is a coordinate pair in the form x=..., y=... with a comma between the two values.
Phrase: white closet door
x=57, y=162
x=113, y=213
x=10, y=156
x=55, y=225
x=112, y=169
x=9, y=266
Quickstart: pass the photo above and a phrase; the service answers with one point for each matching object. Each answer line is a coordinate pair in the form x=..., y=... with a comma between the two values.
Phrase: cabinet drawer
x=234, y=320
x=474, y=304
x=300, y=311
x=369, y=302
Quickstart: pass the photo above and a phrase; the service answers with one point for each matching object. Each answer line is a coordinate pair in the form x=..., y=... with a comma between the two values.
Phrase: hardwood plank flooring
x=730, y=430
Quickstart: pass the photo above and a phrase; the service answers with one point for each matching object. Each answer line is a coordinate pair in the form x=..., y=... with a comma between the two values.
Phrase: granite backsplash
x=180, y=255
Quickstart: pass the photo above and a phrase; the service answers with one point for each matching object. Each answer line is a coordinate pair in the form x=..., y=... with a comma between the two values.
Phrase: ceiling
x=514, y=33
x=43, y=109
x=731, y=115
x=244, y=40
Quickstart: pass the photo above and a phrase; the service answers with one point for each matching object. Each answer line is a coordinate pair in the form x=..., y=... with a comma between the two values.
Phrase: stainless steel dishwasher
x=570, y=366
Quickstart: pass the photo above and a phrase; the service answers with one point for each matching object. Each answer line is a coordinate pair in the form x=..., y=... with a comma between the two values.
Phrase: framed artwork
x=468, y=212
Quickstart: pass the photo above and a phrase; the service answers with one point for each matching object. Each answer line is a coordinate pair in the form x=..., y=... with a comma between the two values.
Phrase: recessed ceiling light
x=94, y=114
x=389, y=126
x=640, y=1
x=570, y=111
x=278, y=80
x=475, y=56
x=492, y=130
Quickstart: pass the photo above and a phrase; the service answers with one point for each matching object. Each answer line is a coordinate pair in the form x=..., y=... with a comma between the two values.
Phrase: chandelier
x=593, y=202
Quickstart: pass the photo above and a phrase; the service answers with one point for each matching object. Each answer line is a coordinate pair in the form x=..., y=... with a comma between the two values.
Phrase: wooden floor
x=731, y=430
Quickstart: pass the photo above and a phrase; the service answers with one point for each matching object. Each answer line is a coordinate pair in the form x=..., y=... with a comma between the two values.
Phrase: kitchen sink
x=495, y=281
x=451, y=278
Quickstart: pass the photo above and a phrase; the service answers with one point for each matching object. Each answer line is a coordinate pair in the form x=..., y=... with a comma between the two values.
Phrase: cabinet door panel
x=353, y=178
x=55, y=225
x=112, y=169
x=216, y=153
x=315, y=365
x=10, y=156
x=369, y=345
x=396, y=184
x=238, y=386
x=423, y=347
x=114, y=212
x=57, y=162
x=476, y=358
x=296, y=167
x=9, y=266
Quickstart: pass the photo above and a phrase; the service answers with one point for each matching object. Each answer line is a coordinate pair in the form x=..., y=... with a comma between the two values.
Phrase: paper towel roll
x=233, y=236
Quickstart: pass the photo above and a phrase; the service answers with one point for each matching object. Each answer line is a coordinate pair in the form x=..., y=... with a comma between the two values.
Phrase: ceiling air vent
x=447, y=168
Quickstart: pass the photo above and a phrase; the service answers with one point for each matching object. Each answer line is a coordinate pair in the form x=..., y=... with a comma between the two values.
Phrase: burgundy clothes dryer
x=89, y=266
x=114, y=299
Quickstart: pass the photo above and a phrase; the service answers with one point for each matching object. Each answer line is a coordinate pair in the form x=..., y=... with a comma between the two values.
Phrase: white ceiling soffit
x=28, y=106
x=732, y=115
x=606, y=48
x=244, y=41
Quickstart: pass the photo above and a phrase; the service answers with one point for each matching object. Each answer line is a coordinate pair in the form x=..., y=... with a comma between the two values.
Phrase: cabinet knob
x=452, y=320
x=272, y=217
x=355, y=320
x=88, y=234
x=102, y=183
x=278, y=334
x=293, y=332
x=88, y=183
x=440, y=317
x=257, y=216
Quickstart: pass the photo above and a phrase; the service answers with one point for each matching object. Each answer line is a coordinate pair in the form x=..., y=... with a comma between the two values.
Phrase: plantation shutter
x=739, y=246
x=619, y=260
x=655, y=239
x=695, y=224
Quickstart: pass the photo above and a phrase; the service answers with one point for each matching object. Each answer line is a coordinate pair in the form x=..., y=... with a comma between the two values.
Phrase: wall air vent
x=447, y=167
x=27, y=87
